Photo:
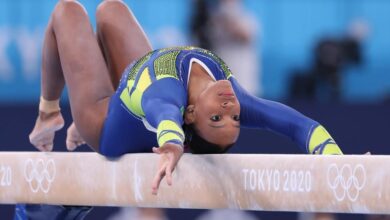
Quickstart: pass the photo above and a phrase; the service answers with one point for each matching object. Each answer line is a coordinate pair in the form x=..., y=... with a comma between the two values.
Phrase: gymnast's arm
x=162, y=105
x=307, y=133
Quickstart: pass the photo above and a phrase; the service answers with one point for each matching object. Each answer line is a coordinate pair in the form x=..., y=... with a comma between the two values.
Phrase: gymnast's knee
x=68, y=9
x=108, y=8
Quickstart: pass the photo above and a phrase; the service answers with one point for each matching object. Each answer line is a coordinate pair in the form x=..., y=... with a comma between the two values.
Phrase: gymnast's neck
x=198, y=82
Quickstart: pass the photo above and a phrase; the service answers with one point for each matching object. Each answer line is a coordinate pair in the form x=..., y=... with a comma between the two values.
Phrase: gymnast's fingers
x=168, y=173
x=157, y=180
x=156, y=150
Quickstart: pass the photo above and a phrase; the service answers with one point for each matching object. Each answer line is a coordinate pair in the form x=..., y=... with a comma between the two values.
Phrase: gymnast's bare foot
x=73, y=138
x=46, y=125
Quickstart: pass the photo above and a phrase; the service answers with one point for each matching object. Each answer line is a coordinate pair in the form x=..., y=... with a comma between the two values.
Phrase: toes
x=42, y=140
x=79, y=143
x=48, y=147
x=43, y=143
x=70, y=145
x=40, y=147
x=73, y=139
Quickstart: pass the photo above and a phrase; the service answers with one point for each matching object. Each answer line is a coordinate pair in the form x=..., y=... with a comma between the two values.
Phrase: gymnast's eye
x=236, y=117
x=215, y=118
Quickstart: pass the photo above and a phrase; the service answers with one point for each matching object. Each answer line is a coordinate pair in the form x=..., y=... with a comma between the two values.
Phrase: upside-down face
x=216, y=114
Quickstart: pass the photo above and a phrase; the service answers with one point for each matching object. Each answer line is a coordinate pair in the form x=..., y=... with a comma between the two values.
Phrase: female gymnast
x=127, y=98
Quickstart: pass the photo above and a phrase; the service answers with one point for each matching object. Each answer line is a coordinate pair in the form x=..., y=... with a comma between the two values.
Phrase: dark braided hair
x=199, y=145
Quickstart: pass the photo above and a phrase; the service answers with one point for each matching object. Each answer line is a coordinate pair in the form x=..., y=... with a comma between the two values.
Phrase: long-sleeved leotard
x=147, y=108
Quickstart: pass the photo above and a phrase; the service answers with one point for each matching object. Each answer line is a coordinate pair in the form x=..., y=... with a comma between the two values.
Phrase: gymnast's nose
x=227, y=104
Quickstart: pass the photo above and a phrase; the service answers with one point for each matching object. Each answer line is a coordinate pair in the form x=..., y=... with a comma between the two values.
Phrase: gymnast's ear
x=189, y=116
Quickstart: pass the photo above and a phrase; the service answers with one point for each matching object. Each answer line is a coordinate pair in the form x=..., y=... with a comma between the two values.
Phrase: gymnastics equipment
x=309, y=183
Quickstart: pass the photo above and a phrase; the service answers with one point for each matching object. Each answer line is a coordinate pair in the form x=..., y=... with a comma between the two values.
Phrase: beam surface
x=349, y=183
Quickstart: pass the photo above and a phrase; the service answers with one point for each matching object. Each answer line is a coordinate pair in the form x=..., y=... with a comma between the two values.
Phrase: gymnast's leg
x=52, y=84
x=121, y=38
x=71, y=54
x=80, y=63
x=122, y=41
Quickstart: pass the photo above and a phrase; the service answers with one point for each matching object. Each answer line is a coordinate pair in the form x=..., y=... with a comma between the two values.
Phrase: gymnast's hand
x=170, y=154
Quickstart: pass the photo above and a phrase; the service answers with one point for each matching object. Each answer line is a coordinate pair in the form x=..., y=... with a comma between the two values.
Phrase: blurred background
x=329, y=59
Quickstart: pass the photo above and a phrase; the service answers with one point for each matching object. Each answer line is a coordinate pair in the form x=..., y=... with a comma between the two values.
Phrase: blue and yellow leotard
x=148, y=106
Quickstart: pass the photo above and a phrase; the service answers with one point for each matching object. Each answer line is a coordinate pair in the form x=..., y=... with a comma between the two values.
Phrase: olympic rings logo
x=39, y=174
x=346, y=182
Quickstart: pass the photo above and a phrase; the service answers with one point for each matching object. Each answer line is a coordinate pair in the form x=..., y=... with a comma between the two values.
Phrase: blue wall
x=289, y=31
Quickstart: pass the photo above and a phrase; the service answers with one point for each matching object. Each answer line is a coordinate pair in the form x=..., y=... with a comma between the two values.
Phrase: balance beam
x=349, y=184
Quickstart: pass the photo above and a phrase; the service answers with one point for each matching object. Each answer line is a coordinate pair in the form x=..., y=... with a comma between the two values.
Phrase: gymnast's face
x=216, y=114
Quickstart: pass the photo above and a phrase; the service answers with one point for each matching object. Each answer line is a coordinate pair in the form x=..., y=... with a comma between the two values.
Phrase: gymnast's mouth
x=228, y=94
